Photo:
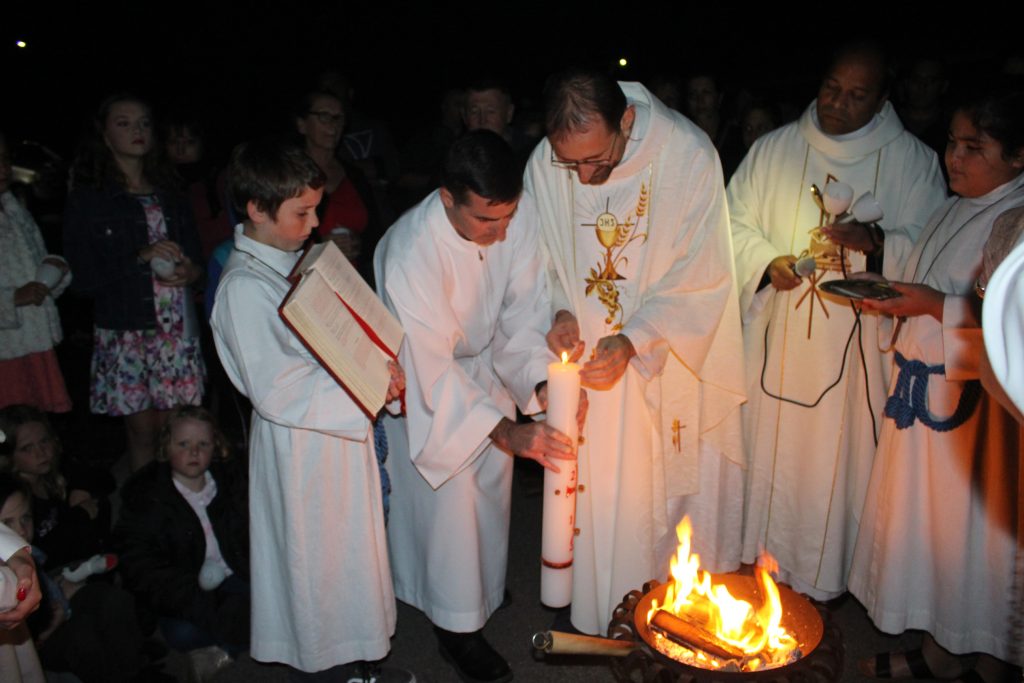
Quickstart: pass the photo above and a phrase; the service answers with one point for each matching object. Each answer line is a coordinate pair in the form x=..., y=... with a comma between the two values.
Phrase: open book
x=343, y=323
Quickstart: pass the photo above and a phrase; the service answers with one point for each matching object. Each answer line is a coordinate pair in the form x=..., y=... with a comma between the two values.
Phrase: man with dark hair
x=817, y=380
x=462, y=272
x=633, y=219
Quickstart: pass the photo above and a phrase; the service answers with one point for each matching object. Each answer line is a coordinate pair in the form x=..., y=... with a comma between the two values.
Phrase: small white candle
x=560, y=489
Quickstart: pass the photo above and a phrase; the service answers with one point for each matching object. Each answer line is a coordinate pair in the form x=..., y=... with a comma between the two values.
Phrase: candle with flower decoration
x=560, y=488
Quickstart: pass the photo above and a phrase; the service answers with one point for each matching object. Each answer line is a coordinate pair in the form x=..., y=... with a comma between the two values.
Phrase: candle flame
x=565, y=357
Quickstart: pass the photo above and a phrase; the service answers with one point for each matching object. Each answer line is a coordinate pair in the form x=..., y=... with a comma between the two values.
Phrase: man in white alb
x=816, y=377
x=463, y=273
x=634, y=223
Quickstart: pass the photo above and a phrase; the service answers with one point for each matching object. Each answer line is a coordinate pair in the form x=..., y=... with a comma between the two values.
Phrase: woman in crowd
x=187, y=149
x=133, y=246
x=30, y=280
x=940, y=535
x=348, y=213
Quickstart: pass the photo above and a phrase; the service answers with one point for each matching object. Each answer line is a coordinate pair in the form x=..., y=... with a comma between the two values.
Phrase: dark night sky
x=246, y=66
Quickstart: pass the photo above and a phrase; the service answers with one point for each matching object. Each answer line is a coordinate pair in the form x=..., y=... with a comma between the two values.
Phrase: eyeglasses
x=327, y=118
x=610, y=160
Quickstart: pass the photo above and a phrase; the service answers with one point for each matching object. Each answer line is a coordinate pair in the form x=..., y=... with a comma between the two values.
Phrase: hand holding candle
x=563, y=392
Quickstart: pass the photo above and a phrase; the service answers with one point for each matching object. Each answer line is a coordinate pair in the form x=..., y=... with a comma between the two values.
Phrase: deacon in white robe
x=474, y=318
x=321, y=585
x=816, y=377
x=644, y=252
x=940, y=541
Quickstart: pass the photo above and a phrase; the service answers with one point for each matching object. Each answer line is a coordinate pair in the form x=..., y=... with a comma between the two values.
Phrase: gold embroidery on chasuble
x=619, y=241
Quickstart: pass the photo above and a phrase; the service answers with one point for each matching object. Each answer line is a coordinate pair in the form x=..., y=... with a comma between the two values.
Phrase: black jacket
x=103, y=233
x=162, y=546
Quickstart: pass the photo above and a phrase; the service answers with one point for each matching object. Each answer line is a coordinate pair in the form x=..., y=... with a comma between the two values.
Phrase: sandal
x=918, y=667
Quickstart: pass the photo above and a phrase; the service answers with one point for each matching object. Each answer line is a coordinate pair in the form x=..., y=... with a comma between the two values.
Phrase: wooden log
x=560, y=643
x=692, y=635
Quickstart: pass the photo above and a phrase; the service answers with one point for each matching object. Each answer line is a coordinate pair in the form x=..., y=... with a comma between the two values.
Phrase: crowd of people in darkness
x=179, y=472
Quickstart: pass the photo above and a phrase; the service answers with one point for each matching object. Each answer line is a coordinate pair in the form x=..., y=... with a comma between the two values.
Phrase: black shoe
x=473, y=657
x=563, y=621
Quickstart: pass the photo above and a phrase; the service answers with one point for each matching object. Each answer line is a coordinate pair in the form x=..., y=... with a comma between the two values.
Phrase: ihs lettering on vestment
x=615, y=237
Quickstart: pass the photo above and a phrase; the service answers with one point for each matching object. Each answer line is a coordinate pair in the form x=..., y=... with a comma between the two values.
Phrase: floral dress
x=162, y=368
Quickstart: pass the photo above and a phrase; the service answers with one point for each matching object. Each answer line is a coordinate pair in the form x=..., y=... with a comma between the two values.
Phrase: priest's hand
x=914, y=300
x=611, y=358
x=535, y=440
x=397, y=384
x=780, y=272
x=581, y=410
x=867, y=239
x=28, y=586
x=564, y=335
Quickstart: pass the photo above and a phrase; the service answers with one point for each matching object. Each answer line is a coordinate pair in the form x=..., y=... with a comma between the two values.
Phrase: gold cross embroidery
x=677, y=439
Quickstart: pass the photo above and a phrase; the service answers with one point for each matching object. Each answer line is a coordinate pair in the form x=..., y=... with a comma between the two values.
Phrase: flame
x=565, y=357
x=757, y=631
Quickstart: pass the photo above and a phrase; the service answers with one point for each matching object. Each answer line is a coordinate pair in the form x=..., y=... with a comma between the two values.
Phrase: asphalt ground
x=510, y=628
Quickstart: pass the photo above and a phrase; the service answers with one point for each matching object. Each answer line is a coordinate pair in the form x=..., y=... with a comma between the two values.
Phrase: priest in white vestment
x=816, y=374
x=634, y=223
x=463, y=273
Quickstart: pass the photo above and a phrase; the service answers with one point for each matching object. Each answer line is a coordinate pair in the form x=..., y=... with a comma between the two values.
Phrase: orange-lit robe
x=939, y=538
x=665, y=440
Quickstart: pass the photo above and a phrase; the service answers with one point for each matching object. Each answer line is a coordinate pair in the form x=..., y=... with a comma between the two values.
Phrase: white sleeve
x=962, y=342
x=521, y=354
x=10, y=543
x=268, y=363
x=753, y=250
x=450, y=416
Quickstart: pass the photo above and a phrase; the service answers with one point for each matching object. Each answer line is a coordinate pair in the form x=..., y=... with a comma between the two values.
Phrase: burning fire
x=728, y=627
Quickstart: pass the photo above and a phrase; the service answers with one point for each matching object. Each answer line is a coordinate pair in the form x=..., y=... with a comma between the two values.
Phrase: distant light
x=622, y=61
x=21, y=43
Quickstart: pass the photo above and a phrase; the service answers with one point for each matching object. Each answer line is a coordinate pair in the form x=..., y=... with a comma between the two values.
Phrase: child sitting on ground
x=88, y=629
x=71, y=514
x=183, y=537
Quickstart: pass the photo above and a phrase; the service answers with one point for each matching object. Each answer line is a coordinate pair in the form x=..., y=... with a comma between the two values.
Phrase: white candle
x=560, y=489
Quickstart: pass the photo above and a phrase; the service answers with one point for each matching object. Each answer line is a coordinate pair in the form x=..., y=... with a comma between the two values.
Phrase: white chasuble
x=646, y=254
x=475, y=319
x=816, y=377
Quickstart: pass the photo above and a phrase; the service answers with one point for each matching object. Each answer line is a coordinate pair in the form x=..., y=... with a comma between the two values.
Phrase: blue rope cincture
x=380, y=445
x=909, y=400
